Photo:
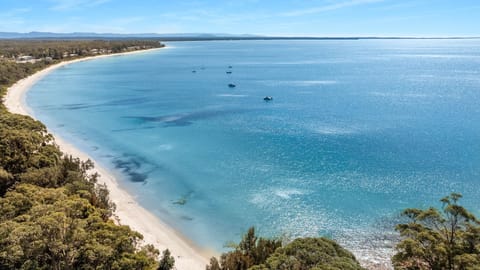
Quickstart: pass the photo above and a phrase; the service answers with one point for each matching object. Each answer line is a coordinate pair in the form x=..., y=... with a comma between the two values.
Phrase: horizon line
x=199, y=35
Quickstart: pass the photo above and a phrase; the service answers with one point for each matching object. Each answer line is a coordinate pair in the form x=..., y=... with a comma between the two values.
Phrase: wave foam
x=287, y=193
x=165, y=147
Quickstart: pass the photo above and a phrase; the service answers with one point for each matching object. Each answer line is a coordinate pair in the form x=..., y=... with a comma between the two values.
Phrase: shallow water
x=357, y=131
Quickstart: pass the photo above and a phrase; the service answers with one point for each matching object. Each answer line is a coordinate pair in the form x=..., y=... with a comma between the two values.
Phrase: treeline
x=257, y=253
x=58, y=49
x=53, y=214
x=10, y=72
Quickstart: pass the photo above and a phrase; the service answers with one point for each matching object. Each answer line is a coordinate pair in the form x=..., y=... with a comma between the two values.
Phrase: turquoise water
x=357, y=131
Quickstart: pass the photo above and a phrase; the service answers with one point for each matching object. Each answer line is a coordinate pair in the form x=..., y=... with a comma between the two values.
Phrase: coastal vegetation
x=439, y=239
x=60, y=49
x=257, y=253
x=53, y=213
x=10, y=71
x=432, y=239
x=167, y=261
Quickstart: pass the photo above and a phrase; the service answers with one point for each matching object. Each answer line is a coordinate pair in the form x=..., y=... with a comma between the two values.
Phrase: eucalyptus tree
x=439, y=239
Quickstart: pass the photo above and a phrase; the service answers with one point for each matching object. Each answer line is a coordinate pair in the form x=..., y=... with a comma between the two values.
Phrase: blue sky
x=268, y=17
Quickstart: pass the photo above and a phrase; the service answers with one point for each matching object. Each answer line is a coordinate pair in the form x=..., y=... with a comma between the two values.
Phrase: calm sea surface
x=356, y=132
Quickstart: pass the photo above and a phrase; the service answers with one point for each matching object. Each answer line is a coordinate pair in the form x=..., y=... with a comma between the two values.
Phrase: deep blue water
x=357, y=131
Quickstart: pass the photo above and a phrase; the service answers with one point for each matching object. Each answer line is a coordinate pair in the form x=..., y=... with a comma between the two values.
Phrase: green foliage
x=250, y=251
x=25, y=146
x=6, y=180
x=21, y=149
x=445, y=239
x=49, y=228
x=10, y=71
x=214, y=264
x=256, y=253
x=167, y=261
x=312, y=253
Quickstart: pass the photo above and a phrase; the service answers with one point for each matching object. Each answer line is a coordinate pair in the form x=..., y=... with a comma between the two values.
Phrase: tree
x=167, y=261
x=311, y=253
x=445, y=239
x=45, y=228
x=214, y=265
x=257, y=253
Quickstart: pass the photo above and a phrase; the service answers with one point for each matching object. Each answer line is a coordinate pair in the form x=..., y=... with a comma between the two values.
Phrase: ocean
x=357, y=131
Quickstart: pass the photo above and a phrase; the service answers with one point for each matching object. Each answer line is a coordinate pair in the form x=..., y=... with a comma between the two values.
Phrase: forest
x=59, y=49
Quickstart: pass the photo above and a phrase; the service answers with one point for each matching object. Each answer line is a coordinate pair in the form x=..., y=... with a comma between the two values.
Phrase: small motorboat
x=230, y=67
x=229, y=72
x=231, y=85
x=268, y=98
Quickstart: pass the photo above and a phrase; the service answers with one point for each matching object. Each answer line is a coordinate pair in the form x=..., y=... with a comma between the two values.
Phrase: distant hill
x=90, y=35
x=162, y=37
x=185, y=36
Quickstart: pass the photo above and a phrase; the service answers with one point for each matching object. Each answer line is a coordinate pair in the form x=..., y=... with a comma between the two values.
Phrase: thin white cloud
x=13, y=18
x=62, y=5
x=329, y=7
x=15, y=12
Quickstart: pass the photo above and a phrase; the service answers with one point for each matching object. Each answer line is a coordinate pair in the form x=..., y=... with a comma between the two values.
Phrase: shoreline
x=128, y=211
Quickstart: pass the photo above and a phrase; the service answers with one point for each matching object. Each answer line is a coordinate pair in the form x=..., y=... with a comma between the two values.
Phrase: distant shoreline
x=177, y=39
x=128, y=211
x=203, y=37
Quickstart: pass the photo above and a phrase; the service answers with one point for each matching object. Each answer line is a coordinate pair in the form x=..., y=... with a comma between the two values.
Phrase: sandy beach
x=128, y=211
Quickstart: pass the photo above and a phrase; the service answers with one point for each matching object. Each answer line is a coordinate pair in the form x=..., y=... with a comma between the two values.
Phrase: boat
x=230, y=67
x=229, y=72
x=268, y=98
x=194, y=71
x=231, y=85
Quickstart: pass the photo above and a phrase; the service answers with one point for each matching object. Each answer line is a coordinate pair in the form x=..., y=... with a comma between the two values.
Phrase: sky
x=261, y=17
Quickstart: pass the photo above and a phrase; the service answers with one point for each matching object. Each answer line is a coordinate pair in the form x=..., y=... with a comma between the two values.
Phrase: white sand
x=128, y=211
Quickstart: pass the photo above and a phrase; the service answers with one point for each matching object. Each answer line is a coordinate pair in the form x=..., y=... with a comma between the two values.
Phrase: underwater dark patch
x=112, y=103
x=132, y=129
x=137, y=177
x=135, y=168
x=186, y=119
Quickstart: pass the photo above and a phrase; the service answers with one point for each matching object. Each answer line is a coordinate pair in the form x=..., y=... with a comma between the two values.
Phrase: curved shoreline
x=128, y=211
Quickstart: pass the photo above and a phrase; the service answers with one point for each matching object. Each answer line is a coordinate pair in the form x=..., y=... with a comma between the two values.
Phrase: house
x=26, y=59
x=133, y=48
